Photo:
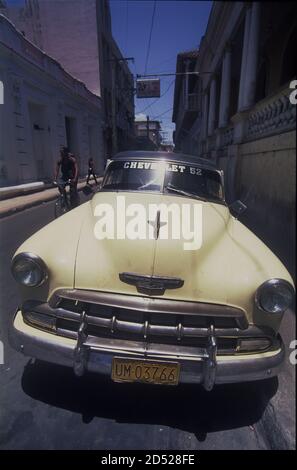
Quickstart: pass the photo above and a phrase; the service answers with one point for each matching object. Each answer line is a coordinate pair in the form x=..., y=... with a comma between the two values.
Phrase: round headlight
x=28, y=269
x=274, y=296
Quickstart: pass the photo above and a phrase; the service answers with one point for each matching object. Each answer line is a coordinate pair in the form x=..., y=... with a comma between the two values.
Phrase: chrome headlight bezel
x=36, y=262
x=272, y=284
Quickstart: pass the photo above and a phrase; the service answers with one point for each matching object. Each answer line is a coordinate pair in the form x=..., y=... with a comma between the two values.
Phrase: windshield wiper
x=149, y=183
x=170, y=187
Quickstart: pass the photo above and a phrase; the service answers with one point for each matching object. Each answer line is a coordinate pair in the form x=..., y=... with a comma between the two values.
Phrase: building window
x=288, y=62
x=262, y=79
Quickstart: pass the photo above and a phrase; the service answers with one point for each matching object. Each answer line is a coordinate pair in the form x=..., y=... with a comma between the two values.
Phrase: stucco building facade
x=78, y=35
x=44, y=107
x=148, y=134
x=245, y=120
x=186, y=102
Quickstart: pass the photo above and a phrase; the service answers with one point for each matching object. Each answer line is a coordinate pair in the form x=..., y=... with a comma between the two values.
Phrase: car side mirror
x=108, y=160
x=238, y=208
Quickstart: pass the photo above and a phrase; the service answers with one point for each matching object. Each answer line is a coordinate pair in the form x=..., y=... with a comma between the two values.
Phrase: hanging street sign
x=148, y=88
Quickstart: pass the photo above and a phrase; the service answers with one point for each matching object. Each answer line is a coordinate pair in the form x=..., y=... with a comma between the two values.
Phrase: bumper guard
x=205, y=367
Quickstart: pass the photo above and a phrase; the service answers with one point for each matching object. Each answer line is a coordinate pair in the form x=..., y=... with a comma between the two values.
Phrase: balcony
x=192, y=102
x=188, y=111
x=272, y=115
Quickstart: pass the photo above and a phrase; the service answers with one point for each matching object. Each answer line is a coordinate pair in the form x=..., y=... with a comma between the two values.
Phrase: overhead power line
x=162, y=114
x=126, y=29
x=165, y=61
x=150, y=37
x=167, y=74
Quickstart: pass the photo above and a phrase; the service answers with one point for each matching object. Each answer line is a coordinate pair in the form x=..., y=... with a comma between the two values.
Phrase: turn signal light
x=40, y=320
x=253, y=344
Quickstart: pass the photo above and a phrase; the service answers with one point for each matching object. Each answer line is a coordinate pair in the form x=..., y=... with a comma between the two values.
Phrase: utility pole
x=114, y=61
x=148, y=127
x=113, y=109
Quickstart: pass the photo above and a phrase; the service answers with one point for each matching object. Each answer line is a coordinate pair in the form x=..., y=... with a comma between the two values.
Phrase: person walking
x=91, y=170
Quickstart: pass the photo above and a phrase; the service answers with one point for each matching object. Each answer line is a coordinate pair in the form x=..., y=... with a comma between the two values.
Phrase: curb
x=9, y=193
x=21, y=208
x=275, y=435
x=270, y=426
x=28, y=205
x=27, y=191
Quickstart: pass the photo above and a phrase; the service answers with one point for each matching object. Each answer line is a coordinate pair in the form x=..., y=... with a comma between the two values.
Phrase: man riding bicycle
x=69, y=174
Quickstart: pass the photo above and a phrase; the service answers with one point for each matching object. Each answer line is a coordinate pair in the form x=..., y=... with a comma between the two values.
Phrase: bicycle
x=62, y=203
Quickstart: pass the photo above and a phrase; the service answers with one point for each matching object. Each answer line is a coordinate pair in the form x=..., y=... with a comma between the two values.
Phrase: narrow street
x=46, y=407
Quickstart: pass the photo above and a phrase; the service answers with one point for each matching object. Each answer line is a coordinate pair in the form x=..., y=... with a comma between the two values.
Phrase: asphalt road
x=43, y=406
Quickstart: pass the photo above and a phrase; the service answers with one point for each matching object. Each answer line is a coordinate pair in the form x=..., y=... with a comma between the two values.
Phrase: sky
x=178, y=26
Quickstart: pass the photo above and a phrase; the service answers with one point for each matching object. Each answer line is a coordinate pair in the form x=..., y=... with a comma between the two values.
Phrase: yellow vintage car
x=153, y=280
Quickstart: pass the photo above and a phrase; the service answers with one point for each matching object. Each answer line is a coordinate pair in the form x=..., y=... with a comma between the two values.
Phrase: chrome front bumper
x=96, y=356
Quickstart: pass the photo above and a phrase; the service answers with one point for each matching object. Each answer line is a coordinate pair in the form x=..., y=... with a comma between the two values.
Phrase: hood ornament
x=151, y=285
x=157, y=225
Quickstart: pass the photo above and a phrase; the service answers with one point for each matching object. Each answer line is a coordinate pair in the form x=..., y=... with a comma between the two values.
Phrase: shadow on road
x=186, y=407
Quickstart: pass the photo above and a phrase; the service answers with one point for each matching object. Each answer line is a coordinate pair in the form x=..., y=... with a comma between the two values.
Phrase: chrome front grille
x=142, y=325
x=120, y=323
x=121, y=320
x=70, y=328
x=142, y=319
x=142, y=322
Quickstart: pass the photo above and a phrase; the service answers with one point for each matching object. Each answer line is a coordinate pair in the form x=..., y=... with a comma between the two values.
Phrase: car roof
x=170, y=156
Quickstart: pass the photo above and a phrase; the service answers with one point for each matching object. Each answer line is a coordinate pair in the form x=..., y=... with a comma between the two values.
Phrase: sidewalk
x=16, y=204
x=13, y=191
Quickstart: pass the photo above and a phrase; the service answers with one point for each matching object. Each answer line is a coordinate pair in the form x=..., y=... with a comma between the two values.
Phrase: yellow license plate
x=131, y=370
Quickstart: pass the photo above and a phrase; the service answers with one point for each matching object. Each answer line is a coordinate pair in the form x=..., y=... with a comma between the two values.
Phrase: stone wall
x=265, y=180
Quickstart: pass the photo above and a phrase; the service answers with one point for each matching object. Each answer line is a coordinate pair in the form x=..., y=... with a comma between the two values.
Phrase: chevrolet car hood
x=226, y=269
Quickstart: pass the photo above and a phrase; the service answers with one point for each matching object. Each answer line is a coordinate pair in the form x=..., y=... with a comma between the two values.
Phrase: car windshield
x=176, y=178
x=193, y=181
x=134, y=176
